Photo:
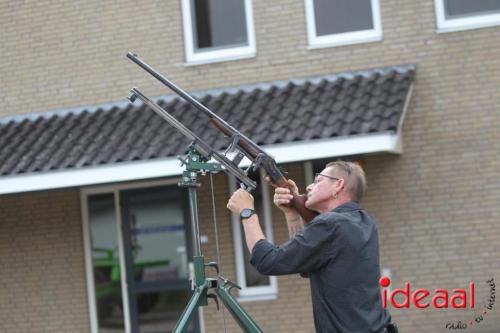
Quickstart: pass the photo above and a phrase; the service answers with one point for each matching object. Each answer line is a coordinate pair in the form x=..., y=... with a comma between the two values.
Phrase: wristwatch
x=247, y=213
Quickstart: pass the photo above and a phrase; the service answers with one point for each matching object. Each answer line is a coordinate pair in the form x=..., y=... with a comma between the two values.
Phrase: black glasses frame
x=320, y=174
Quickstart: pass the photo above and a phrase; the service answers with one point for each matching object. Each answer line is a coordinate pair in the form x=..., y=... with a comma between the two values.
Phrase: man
x=338, y=250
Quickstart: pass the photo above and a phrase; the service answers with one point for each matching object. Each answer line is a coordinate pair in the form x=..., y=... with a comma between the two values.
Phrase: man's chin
x=308, y=204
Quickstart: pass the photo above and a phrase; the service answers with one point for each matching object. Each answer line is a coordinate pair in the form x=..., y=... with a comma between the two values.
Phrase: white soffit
x=388, y=142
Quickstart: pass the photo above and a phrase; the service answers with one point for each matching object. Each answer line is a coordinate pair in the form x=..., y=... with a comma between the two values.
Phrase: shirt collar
x=347, y=207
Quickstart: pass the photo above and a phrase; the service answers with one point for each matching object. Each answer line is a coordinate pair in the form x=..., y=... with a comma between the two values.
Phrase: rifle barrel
x=188, y=98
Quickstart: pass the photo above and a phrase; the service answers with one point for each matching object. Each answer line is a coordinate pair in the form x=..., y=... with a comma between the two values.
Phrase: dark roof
x=297, y=110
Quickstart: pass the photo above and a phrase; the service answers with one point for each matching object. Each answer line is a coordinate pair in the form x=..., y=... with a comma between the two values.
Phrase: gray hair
x=355, y=180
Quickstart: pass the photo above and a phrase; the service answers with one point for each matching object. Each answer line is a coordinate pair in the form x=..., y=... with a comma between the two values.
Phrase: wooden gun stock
x=298, y=202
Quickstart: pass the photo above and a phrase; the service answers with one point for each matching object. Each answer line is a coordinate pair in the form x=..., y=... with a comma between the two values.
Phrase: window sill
x=464, y=24
x=257, y=298
x=190, y=63
x=343, y=41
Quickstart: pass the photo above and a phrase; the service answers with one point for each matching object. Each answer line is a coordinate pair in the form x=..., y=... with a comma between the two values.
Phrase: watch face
x=246, y=213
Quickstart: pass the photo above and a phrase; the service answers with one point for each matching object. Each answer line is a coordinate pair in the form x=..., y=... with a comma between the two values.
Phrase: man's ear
x=341, y=183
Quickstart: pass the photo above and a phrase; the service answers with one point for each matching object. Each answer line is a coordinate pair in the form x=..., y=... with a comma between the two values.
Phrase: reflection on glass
x=158, y=236
x=160, y=311
x=465, y=8
x=341, y=16
x=105, y=258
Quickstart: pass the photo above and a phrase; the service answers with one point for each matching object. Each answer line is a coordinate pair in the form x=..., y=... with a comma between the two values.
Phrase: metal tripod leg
x=222, y=289
x=191, y=308
x=239, y=314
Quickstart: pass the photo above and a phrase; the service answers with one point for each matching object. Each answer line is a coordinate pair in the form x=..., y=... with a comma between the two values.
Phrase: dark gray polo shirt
x=339, y=253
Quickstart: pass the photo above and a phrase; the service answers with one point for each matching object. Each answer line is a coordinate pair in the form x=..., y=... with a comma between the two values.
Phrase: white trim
x=347, y=38
x=474, y=21
x=405, y=108
x=131, y=171
x=223, y=54
x=334, y=147
x=121, y=253
x=120, y=172
x=399, y=140
x=261, y=293
x=89, y=267
x=111, y=188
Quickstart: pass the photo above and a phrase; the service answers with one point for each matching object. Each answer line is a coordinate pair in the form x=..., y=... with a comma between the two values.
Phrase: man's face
x=321, y=190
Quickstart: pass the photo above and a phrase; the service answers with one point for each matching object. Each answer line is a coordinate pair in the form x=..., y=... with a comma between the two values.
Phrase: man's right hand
x=283, y=197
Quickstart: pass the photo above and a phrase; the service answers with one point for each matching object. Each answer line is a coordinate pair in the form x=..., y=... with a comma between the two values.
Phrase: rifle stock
x=298, y=201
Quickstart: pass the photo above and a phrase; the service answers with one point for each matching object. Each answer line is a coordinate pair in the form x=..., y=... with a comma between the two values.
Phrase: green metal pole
x=239, y=314
x=199, y=294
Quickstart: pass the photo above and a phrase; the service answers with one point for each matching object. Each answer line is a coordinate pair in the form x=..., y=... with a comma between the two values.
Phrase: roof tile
x=297, y=110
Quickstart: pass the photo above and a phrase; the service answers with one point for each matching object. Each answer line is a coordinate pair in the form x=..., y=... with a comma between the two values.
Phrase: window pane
x=218, y=23
x=339, y=16
x=105, y=258
x=458, y=8
x=252, y=276
x=158, y=235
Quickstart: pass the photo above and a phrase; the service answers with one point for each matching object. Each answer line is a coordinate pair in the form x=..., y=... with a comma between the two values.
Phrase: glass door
x=155, y=233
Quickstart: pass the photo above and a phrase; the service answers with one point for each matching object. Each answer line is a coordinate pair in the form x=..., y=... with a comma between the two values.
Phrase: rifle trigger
x=243, y=187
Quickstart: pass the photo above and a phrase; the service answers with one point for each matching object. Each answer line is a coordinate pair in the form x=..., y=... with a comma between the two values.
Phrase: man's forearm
x=253, y=231
x=294, y=222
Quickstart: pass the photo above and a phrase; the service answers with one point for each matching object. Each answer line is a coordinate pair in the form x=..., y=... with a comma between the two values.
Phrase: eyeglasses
x=320, y=174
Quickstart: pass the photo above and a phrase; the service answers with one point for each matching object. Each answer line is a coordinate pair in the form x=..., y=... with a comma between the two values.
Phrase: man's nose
x=309, y=187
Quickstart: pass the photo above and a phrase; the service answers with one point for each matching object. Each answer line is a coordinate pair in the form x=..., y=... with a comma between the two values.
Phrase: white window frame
x=246, y=293
x=464, y=23
x=224, y=54
x=346, y=38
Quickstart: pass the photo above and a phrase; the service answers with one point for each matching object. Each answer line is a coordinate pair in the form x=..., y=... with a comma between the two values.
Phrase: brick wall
x=437, y=204
x=73, y=54
x=42, y=264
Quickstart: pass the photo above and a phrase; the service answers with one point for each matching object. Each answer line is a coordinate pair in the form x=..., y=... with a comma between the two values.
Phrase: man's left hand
x=239, y=200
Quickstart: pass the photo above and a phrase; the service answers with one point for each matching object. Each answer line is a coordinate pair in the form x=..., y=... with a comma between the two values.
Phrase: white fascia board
x=336, y=147
x=130, y=171
x=126, y=171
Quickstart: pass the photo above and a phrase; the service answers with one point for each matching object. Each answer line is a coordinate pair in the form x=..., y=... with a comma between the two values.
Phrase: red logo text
x=423, y=298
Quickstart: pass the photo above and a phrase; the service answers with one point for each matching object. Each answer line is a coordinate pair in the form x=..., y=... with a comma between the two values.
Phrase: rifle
x=243, y=146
